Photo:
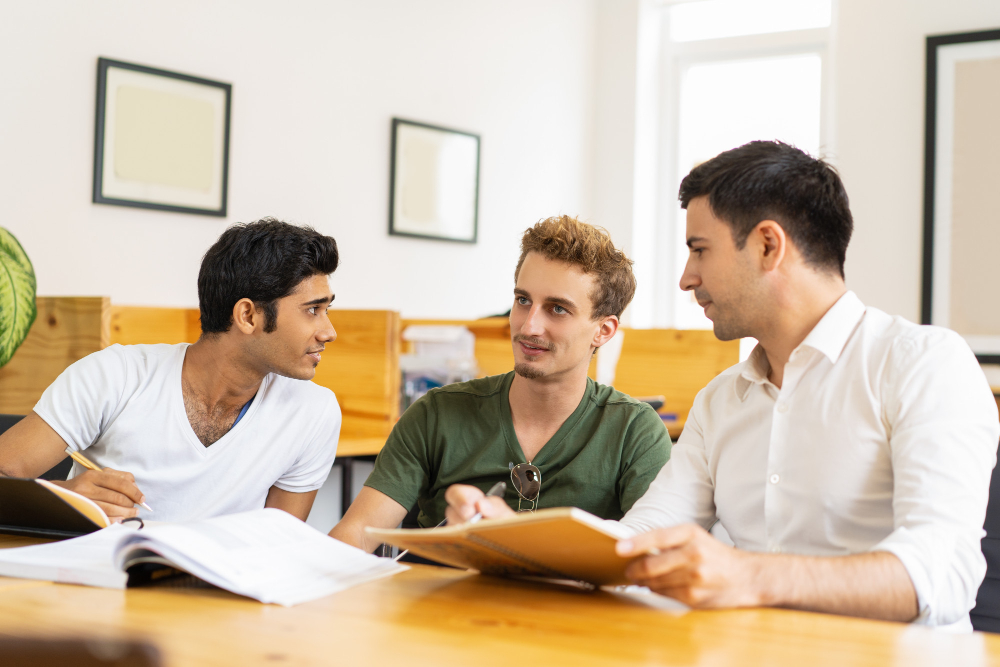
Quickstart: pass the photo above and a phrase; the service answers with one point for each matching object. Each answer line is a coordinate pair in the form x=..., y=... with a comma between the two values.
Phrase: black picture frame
x=396, y=228
x=220, y=176
x=932, y=155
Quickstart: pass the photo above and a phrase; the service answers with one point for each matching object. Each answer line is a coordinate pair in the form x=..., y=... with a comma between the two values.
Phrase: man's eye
x=522, y=300
x=312, y=311
x=698, y=251
x=559, y=310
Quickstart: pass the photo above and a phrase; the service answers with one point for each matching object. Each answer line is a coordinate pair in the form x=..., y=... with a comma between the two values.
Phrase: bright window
x=714, y=19
x=734, y=71
x=726, y=104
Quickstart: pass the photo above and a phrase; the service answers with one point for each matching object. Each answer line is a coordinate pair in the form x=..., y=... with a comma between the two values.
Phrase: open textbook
x=557, y=543
x=265, y=554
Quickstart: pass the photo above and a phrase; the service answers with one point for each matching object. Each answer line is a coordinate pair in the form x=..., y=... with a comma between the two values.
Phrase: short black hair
x=262, y=261
x=770, y=180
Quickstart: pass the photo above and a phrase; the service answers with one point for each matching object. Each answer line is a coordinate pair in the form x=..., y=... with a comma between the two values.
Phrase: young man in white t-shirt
x=225, y=425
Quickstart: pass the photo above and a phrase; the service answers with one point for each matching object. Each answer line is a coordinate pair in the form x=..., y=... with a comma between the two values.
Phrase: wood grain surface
x=437, y=616
x=362, y=369
x=66, y=330
x=132, y=325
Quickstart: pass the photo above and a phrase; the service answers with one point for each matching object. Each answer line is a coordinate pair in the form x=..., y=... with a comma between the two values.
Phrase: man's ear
x=609, y=325
x=772, y=244
x=246, y=317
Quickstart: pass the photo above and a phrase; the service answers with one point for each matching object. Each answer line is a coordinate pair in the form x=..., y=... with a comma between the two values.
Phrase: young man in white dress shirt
x=225, y=425
x=848, y=457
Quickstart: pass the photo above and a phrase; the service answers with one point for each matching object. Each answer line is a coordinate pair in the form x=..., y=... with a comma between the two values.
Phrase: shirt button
x=782, y=407
x=775, y=478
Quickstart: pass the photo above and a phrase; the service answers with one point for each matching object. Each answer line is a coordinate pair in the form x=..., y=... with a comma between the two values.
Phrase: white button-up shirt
x=882, y=437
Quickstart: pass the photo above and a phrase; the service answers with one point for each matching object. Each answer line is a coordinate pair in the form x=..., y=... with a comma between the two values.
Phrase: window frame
x=675, y=59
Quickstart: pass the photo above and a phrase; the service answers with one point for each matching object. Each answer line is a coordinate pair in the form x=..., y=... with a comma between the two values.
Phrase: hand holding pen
x=497, y=491
x=114, y=491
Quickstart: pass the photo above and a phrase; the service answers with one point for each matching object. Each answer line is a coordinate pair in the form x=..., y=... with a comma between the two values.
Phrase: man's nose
x=533, y=324
x=689, y=279
x=327, y=334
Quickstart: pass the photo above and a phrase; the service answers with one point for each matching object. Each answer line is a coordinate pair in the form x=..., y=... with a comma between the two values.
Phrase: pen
x=87, y=463
x=497, y=489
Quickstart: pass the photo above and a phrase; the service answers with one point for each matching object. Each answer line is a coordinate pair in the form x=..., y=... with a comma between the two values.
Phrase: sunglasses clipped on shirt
x=527, y=481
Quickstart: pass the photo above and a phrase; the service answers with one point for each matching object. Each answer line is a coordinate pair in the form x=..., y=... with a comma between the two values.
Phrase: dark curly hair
x=569, y=240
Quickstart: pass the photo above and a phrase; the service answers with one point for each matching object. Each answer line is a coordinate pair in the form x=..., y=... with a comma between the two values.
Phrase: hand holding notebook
x=556, y=543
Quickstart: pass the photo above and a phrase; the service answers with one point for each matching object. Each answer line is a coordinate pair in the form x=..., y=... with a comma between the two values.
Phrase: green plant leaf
x=17, y=295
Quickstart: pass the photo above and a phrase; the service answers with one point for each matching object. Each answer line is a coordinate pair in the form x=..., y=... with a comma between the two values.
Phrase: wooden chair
x=672, y=363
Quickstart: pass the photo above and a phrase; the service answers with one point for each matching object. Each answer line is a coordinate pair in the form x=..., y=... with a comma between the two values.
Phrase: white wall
x=548, y=84
x=315, y=84
x=627, y=119
x=879, y=128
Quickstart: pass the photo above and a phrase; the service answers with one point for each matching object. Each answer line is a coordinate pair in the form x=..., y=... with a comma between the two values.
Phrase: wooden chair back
x=672, y=363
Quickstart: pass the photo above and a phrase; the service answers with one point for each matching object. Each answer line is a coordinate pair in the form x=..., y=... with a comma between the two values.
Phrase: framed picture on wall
x=161, y=140
x=434, y=188
x=961, y=178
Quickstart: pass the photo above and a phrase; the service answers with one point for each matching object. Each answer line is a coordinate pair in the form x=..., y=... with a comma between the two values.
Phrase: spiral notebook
x=558, y=543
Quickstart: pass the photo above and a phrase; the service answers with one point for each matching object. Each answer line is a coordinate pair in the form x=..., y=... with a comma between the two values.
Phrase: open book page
x=81, y=504
x=81, y=560
x=265, y=554
x=557, y=543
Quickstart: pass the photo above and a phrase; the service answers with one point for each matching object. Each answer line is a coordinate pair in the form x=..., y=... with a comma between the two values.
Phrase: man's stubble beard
x=740, y=316
x=528, y=372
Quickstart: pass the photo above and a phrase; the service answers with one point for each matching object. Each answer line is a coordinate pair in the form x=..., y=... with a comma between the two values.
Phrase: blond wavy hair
x=567, y=239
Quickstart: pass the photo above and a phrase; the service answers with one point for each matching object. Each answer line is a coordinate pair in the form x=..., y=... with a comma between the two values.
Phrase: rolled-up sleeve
x=944, y=430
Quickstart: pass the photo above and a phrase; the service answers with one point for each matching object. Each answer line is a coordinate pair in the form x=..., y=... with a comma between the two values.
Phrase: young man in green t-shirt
x=555, y=436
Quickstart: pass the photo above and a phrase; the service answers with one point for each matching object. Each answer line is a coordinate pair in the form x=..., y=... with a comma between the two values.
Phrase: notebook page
x=82, y=560
x=265, y=554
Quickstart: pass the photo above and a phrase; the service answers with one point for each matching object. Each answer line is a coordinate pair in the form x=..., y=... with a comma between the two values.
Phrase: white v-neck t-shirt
x=124, y=409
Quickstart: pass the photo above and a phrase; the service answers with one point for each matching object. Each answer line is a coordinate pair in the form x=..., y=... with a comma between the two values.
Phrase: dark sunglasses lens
x=527, y=480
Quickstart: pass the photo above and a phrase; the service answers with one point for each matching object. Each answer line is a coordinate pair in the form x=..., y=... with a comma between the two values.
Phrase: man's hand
x=686, y=563
x=114, y=491
x=465, y=501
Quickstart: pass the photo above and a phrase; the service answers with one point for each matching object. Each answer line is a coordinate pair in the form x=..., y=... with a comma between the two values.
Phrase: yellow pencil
x=87, y=463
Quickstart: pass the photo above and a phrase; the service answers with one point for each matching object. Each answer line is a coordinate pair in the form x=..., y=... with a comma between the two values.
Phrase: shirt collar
x=831, y=333
x=829, y=337
x=755, y=370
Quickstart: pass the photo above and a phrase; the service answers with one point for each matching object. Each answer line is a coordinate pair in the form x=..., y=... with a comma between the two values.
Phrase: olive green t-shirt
x=601, y=459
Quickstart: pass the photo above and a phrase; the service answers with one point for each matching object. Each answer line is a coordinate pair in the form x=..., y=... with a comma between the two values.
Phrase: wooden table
x=435, y=616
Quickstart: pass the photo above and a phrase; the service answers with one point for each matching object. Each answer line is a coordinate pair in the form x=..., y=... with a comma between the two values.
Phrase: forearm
x=871, y=585
x=353, y=533
x=296, y=504
x=29, y=448
x=370, y=508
